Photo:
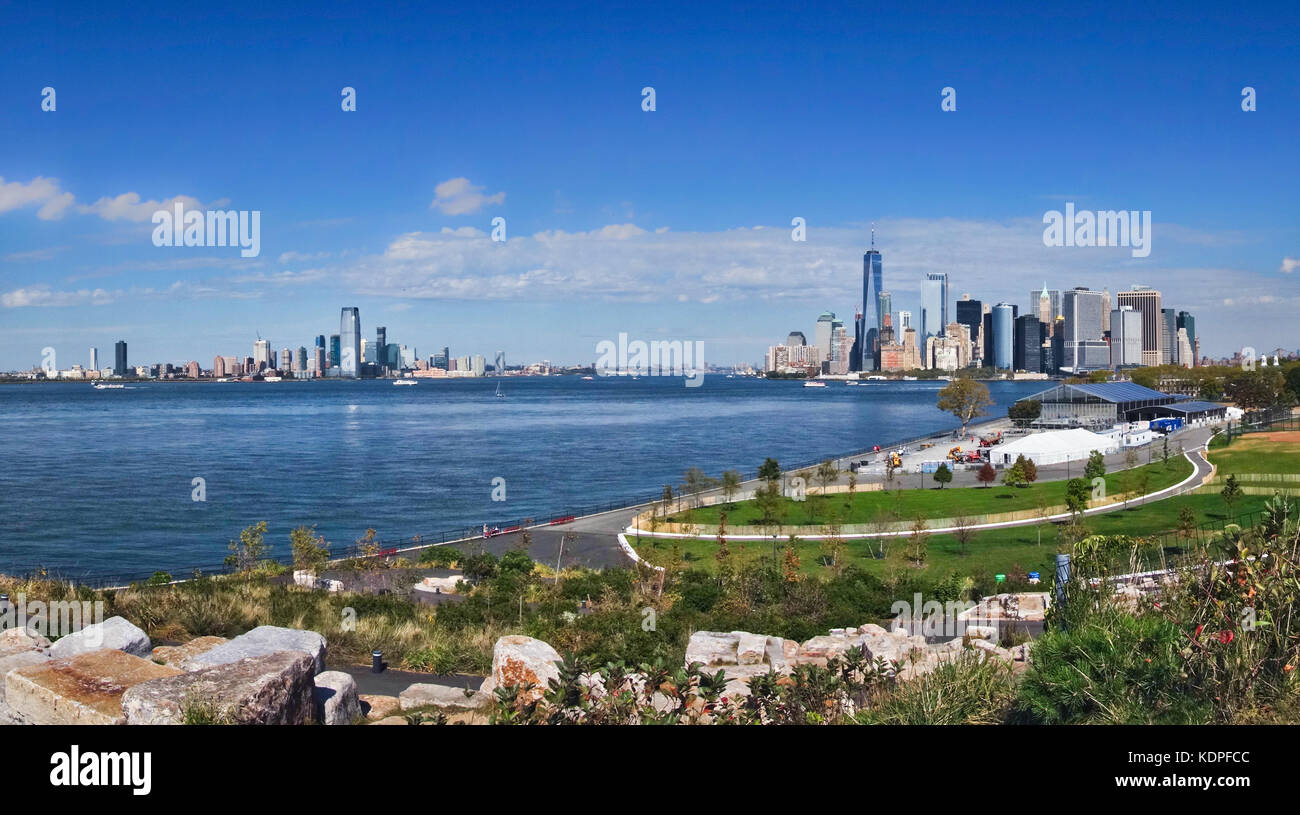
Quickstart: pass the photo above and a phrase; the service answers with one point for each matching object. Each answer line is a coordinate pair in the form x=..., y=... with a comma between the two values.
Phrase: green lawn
x=1252, y=454
x=992, y=551
x=932, y=502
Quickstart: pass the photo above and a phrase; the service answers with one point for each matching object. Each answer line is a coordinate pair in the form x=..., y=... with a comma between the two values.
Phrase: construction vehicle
x=895, y=460
x=989, y=441
x=955, y=453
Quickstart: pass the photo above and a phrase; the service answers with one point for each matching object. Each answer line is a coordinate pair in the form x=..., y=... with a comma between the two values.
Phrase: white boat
x=272, y=378
x=851, y=382
x=499, y=394
x=405, y=382
x=814, y=384
x=587, y=378
x=103, y=386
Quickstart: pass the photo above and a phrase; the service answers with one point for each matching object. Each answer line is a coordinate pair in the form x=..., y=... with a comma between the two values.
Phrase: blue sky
x=666, y=224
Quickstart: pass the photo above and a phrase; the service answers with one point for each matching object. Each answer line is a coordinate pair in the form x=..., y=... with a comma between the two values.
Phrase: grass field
x=951, y=502
x=991, y=551
x=1271, y=453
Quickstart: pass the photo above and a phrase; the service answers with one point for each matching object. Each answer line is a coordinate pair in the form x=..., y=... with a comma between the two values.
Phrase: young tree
x=1186, y=523
x=942, y=475
x=987, y=474
x=730, y=485
x=251, y=548
x=964, y=531
x=1077, y=493
x=827, y=475
x=1164, y=453
x=853, y=487
x=1014, y=476
x=769, y=470
x=1030, y=470
x=1231, y=491
x=918, y=543
x=1096, y=466
x=771, y=504
x=310, y=552
x=966, y=399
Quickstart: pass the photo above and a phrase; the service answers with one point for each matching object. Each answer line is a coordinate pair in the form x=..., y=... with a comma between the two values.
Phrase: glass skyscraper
x=934, y=305
x=871, y=320
x=1004, y=321
x=350, y=342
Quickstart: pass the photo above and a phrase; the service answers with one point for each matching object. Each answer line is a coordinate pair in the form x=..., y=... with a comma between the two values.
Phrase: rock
x=871, y=628
x=820, y=650
x=19, y=640
x=992, y=649
x=782, y=654
x=10, y=716
x=982, y=632
x=336, y=699
x=750, y=648
x=21, y=659
x=115, y=633
x=263, y=640
x=393, y=720
x=712, y=648
x=179, y=656
x=266, y=689
x=517, y=660
x=889, y=646
x=84, y=689
x=421, y=694
x=376, y=707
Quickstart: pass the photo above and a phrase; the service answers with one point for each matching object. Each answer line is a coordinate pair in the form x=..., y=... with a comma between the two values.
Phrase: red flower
x=1225, y=637
x=1199, y=629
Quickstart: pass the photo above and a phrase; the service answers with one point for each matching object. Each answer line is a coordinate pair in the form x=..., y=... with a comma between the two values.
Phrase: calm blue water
x=99, y=482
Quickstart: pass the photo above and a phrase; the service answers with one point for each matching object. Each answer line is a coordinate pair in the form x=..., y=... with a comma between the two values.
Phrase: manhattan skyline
x=672, y=223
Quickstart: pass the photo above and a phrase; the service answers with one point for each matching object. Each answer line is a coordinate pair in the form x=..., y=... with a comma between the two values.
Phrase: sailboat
x=499, y=394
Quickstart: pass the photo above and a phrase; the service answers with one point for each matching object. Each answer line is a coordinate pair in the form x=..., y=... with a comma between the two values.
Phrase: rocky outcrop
x=741, y=654
x=21, y=640
x=180, y=656
x=447, y=696
x=21, y=659
x=376, y=707
x=264, y=689
x=517, y=660
x=336, y=698
x=115, y=633
x=263, y=640
x=84, y=689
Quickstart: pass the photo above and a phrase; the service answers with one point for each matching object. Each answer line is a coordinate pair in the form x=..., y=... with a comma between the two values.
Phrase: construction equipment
x=955, y=453
x=990, y=440
x=895, y=460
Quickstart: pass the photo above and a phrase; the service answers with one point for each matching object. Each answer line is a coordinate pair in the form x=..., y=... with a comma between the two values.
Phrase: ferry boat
x=851, y=382
x=814, y=384
x=587, y=378
x=272, y=378
x=405, y=382
x=104, y=386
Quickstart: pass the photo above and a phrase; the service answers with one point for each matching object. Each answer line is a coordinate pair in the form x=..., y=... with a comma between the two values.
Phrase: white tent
x=1053, y=447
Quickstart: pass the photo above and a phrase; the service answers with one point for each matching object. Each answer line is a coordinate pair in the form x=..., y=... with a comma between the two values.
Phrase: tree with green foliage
x=1231, y=491
x=1186, y=523
x=827, y=474
x=964, y=398
x=769, y=470
x=1077, y=493
x=942, y=475
x=1014, y=476
x=1096, y=466
x=1255, y=390
x=251, y=548
x=730, y=484
x=1024, y=412
x=310, y=552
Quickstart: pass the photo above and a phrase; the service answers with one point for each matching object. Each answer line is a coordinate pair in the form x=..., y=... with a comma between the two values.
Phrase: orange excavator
x=895, y=460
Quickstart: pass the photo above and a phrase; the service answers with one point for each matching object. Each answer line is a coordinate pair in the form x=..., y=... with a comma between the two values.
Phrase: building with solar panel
x=1105, y=404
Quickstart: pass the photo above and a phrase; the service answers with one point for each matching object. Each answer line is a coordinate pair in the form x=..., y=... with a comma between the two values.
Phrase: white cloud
x=40, y=191
x=129, y=207
x=1289, y=265
x=457, y=196
x=42, y=296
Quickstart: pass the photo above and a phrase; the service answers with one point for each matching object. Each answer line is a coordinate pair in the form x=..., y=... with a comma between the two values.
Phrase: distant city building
x=970, y=313
x=796, y=338
x=94, y=359
x=1046, y=303
x=1004, y=330
x=822, y=335
x=1187, y=322
x=870, y=320
x=1146, y=301
x=499, y=363
x=350, y=343
x=1027, y=354
x=332, y=359
x=1125, y=337
x=1085, y=347
x=119, y=358
x=934, y=304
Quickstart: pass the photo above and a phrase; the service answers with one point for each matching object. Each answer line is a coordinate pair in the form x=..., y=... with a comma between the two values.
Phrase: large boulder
x=421, y=694
x=517, y=660
x=84, y=689
x=336, y=698
x=20, y=640
x=21, y=659
x=265, y=689
x=115, y=633
x=263, y=640
x=180, y=656
x=713, y=648
x=377, y=706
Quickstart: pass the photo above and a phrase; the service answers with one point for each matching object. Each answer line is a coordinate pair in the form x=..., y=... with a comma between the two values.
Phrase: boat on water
x=851, y=383
x=499, y=394
x=587, y=378
x=405, y=382
x=272, y=379
x=104, y=386
x=814, y=384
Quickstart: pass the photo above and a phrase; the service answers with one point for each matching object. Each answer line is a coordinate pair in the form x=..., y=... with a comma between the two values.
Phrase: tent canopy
x=1053, y=447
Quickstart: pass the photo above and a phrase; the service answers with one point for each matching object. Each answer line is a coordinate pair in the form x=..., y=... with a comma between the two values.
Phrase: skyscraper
x=94, y=359
x=263, y=356
x=1028, y=352
x=934, y=305
x=119, y=357
x=1085, y=348
x=1188, y=322
x=871, y=320
x=1146, y=301
x=822, y=335
x=1169, y=337
x=1125, y=337
x=1004, y=331
x=334, y=348
x=350, y=342
x=499, y=363
x=970, y=313
x=1046, y=304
